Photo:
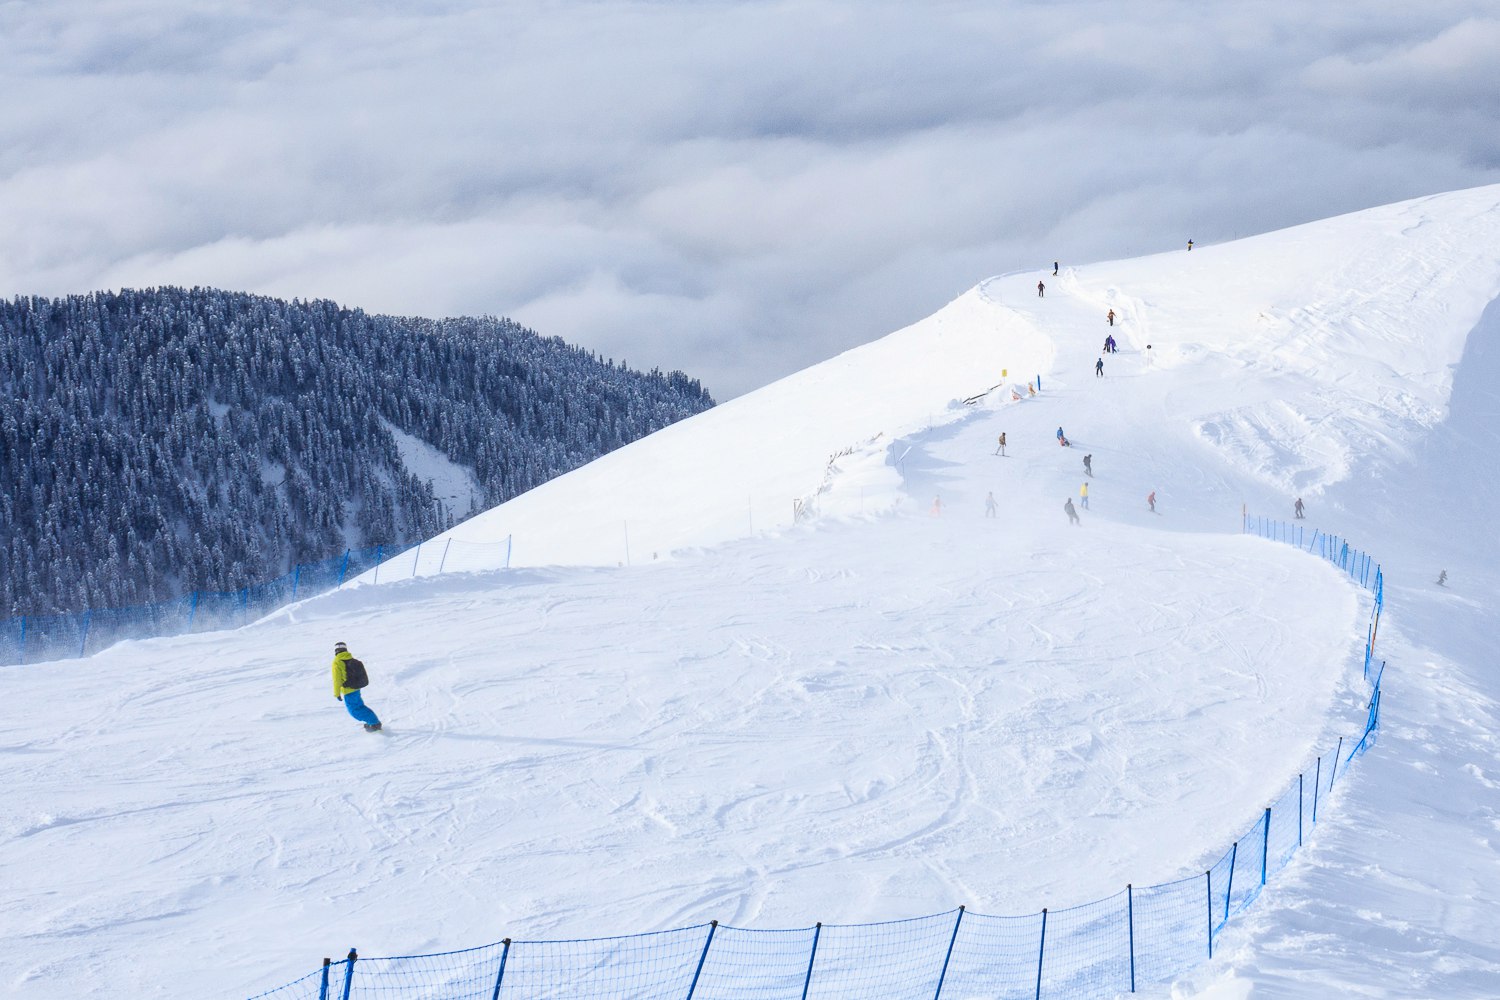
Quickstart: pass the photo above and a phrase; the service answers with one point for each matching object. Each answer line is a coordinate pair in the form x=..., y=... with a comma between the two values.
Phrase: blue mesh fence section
x=12, y=638
x=764, y=965
x=267, y=597
x=995, y=957
x=1247, y=867
x=1284, y=833
x=456, y=975
x=221, y=609
x=639, y=967
x=53, y=637
x=895, y=960
x=316, y=577
x=309, y=987
x=108, y=626
x=1171, y=928
x=1218, y=887
x=1087, y=951
x=364, y=559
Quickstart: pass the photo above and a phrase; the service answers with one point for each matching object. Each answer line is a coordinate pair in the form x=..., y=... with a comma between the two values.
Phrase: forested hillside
x=161, y=441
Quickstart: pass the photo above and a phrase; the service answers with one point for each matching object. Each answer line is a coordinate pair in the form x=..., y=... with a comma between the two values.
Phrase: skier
x=937, y=506
x=1000, y=448
x=1083, y=496
x=1113, y=347
x=1041, y=290
x=1298, y=507
x=1190, y=246
x=1088, y=464
x=989, y=504
x=1111, y=317
x=348, y=678
x=1442, y=578
x=1151, y=500
x=1054, y=268
x=1072, y=512
x=1099, y=368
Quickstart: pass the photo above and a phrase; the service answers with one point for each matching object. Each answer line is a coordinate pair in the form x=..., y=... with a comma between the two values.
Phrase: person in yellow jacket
x=1083, y=496
x=349, y=678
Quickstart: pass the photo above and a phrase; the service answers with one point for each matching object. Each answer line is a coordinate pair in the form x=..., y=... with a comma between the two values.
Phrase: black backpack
x=354, y=674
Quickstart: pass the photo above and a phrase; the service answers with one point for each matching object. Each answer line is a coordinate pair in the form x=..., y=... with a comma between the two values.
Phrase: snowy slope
x=892, y=707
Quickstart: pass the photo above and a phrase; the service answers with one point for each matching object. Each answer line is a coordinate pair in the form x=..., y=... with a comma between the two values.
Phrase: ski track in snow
x=880, y=713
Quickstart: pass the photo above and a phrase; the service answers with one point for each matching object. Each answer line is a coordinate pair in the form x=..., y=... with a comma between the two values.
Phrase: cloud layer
x=737, y=189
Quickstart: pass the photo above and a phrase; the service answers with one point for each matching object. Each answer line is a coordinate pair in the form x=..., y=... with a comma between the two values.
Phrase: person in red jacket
x=349, y=678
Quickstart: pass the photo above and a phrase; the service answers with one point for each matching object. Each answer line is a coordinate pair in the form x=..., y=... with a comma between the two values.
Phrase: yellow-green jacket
x=338, y=675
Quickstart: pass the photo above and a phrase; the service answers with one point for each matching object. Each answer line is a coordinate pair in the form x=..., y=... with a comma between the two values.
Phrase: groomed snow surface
x=679, y=706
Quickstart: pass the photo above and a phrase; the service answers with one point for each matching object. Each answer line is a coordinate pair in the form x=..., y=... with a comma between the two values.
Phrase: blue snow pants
x=357, y=708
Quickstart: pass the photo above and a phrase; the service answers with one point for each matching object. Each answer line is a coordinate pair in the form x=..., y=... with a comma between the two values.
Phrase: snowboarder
x=1442, y=578
x=937, y=506
x=1088, y=464
x=989, y=504
x=1190, y=246
x=1041, y=290
x=1111, y=346
x=1062, y=438
x=1000, y=448
x=1111, y=317
x=349, y=678
x=1151, y=501
x=1297, y=507
x=1054, y=268
x=1072, y=511
x=1099, y=368
x=1083, y=496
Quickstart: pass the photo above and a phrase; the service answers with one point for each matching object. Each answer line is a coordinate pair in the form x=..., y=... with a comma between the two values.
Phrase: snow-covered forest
x=166, y=440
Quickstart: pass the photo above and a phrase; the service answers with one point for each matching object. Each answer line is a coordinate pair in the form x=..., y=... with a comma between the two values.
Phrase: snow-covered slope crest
x=1305, y=351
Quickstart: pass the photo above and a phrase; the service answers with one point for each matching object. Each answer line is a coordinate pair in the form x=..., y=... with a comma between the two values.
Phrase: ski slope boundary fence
x=1100, y=949
x=34, y=638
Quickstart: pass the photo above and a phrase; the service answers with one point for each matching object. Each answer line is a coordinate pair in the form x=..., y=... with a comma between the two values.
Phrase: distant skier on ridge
x=348, y=678
x=1297, y=507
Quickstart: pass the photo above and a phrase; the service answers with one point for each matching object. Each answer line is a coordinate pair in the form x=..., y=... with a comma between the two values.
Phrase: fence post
x=1041, y=949
x=1130, y=920
x=501, y=974
x=193, y=611
x=444, y=560
x=323, y=987
x=1234, y=854
x=1265, y=846
x=245, y=602
x=416, y=559
x=296, y=579
x=1209, y=880
x=508, y=539
x=1317, y=781
x=817, y=933
x=1299, y=810
x=349, y=972
x=713, y=925
x=379, y=554
x=1334, y=770
x=344, y=568
x=23, y=639
x=944, y=974
x=84, y=642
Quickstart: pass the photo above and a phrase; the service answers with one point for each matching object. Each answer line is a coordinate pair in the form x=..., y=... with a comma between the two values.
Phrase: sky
x=734, y=189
